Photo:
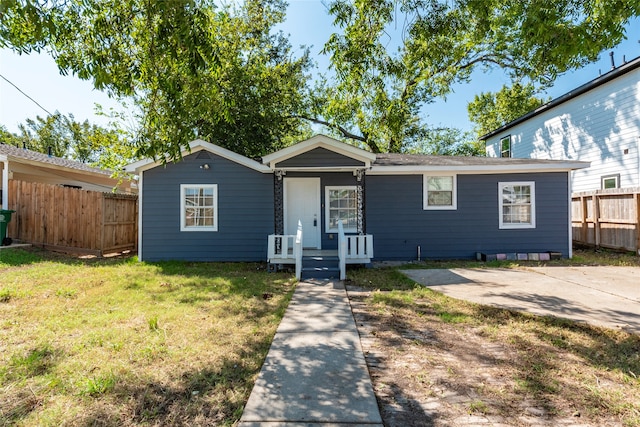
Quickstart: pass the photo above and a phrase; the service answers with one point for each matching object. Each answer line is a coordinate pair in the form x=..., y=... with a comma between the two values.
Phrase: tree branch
x=342, y=130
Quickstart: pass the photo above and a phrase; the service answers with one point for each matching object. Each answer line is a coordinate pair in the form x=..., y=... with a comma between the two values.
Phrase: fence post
x=636, y=196
x=596, y=219
x=585, y=225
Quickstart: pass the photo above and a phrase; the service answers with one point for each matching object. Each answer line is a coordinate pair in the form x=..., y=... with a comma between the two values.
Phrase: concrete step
x=320, y=273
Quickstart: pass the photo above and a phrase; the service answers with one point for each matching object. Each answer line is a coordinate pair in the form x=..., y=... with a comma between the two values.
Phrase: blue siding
x=399, y=225
x=319, y=157
x=245, y=212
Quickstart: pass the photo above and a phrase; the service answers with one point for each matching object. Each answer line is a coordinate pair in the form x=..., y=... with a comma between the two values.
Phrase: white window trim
x=183, y=226
x=604, y=178
x=425, y=193
x=501, y=151
x=327, y=189
x=508, y=226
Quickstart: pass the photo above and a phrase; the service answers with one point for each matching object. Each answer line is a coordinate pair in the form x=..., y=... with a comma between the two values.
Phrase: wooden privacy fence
x=607, y=218
x=72, y=220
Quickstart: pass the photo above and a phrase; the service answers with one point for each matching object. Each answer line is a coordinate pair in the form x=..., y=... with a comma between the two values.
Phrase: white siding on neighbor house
x=601, y=126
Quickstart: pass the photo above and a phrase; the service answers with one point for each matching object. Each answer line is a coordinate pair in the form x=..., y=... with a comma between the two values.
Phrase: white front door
x=302, y=202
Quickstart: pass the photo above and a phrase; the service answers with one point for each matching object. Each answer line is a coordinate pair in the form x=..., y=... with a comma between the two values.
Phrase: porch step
x=320, y=267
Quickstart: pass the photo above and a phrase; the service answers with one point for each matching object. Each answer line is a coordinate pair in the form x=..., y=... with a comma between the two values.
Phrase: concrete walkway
x=603, y=296
x=315, y=372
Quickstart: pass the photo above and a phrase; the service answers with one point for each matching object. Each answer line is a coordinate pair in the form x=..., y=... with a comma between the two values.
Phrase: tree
x=107, y=148
x=8, y=138
x=446, y=142
x=395, y=57
x=489, y=111
x=193, y=69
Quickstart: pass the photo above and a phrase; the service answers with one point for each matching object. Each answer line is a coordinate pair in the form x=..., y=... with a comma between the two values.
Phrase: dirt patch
x=430, y=372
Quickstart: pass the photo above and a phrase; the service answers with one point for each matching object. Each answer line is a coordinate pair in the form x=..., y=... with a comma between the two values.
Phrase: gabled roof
x=605, y=78
x=319, y=141
x=376, y=164
x=393, y=163
x=199, y=145
x=23, y=155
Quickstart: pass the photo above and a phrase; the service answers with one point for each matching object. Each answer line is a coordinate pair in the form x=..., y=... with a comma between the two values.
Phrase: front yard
x=438, y=361
x=114, y=342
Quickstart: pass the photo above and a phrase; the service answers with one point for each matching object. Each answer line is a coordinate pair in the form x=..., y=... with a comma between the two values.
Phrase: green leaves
x=393, y=58
x=200, y=69
x=490, y=111
x=108, y=148
x=193, y=68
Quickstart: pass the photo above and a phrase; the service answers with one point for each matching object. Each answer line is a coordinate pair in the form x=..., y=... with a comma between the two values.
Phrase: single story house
x=598, y=122
x=22, y=164
x=216, y=205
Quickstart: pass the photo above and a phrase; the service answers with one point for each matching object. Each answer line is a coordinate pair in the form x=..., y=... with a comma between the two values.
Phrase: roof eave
x=599, y=81
x=477, y=169
x=195, y=146
x=316, y=141
x=14, y=159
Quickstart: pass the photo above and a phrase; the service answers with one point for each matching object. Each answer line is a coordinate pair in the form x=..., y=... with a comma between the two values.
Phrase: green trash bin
x=5, y=218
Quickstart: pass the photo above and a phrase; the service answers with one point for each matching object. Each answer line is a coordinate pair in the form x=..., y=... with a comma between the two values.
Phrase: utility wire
x=20, y=90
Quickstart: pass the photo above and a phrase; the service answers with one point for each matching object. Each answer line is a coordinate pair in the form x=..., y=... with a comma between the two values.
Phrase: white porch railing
x=280, y=249
x=286, y=249
x=297, y=250
x=342, y=251
x=352, y=249
x=359, y=249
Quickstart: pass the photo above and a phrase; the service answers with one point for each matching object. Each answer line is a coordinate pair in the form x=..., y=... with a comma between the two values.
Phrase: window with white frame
x=341, y=205
x=199, y=207
x=611, y=181
x=439, y=192
x=517, y=204
x=505, y=146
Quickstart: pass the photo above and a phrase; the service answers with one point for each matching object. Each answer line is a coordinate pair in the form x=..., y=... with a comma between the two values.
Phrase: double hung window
x=439, y=192
x=505, y=146
x=199, y=207
x=517, y=204
x=341, y=206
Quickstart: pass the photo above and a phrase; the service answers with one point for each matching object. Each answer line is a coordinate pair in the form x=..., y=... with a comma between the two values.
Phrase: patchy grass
x=115, y=342
x=459, y=358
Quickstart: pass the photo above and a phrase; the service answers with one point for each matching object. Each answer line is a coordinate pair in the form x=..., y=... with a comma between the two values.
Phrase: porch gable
x=320, y=153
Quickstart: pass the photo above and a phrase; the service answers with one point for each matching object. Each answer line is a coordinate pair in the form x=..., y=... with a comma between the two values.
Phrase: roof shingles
x=395, y=159
x=25, y=154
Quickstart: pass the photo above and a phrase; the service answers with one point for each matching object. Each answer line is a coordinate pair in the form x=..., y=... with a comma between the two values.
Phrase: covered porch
x=319, y=206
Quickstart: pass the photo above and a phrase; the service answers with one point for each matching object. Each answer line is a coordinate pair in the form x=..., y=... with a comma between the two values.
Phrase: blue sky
x=307, y=24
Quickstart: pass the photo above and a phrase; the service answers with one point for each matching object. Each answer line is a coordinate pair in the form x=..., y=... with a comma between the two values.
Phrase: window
x=439, y=192
x=505, y=146
x=517, y=204
x=611, y=181
x=199, y=207
x=341, y=206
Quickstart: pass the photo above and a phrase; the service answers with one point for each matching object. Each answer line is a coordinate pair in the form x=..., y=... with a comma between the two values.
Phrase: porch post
x=278, y=201
x=361, y=222
x=5, y=182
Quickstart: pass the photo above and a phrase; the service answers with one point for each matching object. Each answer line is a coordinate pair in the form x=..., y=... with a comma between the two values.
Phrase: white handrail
x=342, y=251
x=279, y=245
x=297, y=250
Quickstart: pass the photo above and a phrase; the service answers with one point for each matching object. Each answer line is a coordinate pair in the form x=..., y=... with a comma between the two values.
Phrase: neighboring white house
x=598, y=122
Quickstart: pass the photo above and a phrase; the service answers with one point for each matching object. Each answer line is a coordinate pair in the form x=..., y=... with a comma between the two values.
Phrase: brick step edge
x=519, y=256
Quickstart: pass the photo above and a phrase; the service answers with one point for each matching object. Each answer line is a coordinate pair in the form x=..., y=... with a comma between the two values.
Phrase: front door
x=302, y=202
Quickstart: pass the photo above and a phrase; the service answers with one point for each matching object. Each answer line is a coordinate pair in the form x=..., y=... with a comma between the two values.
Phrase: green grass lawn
x=116, y=342
x=571, y=370
x=119, y=342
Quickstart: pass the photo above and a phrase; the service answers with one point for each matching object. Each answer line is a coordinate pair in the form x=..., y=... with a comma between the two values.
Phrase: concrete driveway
x=603, y=296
